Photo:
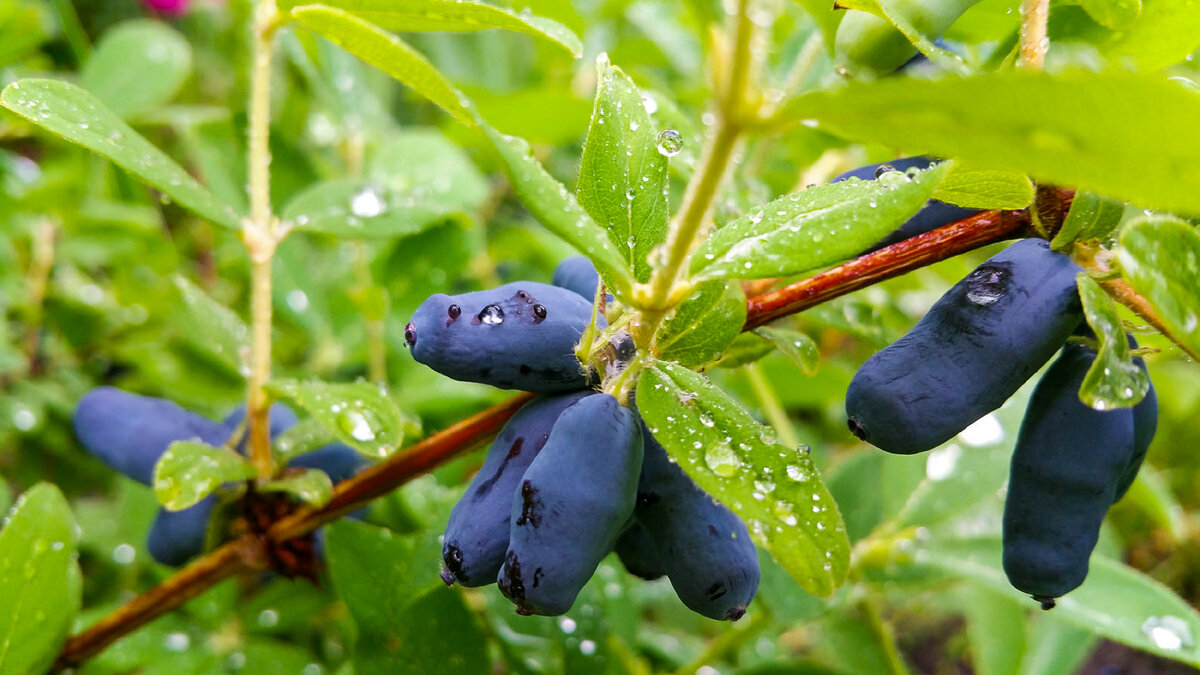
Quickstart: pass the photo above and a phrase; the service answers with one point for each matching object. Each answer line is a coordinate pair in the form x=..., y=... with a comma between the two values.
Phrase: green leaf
x=745, y=348
x=1055, y=647
x=703, y=325
x=996, y=629
x=1166, y=33
x=189, y=471
x=1160, y=258
x=305, y=436
x=622, y=175
x=408, y=622
x=211, y=325
x=984, y=188
x=1114, y=14
x=361, y=209
x=795, y=345
x=386, y=52
x=311, y=486
x=1114, y=380
x=429, y=167
x=1115, y=601
x=1091, y=217
x=76, y=115
x=1131, y=136
x=814, y=228
x=775, y=489
x=826, y=17
x=138, y=65
x=551, y=203
x=1151, y=495
x=458, y=16
x=40, y=583
x=359, y=413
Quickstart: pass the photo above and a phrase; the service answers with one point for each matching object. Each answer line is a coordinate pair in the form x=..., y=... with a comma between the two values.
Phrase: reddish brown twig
x=970, y=233
x=249, y=552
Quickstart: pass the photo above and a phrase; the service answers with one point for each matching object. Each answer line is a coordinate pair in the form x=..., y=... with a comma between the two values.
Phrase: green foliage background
x=106, y=281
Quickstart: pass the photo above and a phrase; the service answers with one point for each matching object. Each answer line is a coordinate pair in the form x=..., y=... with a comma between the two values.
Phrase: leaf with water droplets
x=622, y=175
x=163, y=58
x=1160, y=258
x=189, y=471
x=703, y=325
x=546, y=198
x=362, y=209
x=1091, y=217
x=1132, y=136
x=775, y=489
x=311, y=486
x=745, y=348
x=305, y=436
x=1115, y=602
x=820, y=226
x=1114, y=380
x=797, y=346
x=454, y=16
x=979, y=188
x=1165, y=33
x=210, y=326
x=79, y=117
x=358, y=413
x=40, y=583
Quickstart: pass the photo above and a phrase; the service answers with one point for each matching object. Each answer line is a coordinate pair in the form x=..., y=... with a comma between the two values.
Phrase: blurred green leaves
x=358, y=413
x=1160, y=257
x=163, y=61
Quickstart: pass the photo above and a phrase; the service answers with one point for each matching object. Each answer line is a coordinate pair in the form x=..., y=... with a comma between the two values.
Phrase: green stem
x=884, y=633
x=1034, y=42
x=261, y=237
x=353, y=151
x=771, y=406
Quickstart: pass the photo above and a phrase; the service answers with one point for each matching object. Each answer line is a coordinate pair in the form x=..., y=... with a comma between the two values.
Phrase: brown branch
x=250, y=552
x=239, y=555
x=970, y=233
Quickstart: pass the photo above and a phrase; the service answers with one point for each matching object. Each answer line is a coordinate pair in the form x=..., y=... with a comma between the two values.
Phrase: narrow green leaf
x=163, y=61
x=311, y=486
x=551, y=203
x=458, y=16
x=361, y=209
x=387, y=583
x=622, y=175
x=40, y=583
x=978, y=188
x=211, y=325
x=1166, y=33
x=1091, y=217
x=1114, y=380
x=556, y=208
x=189, y=471
x=1151, y=494
x=775, y=489
x=386, y=52
x=703, y=325
x=1115, y=601
x=820, y=226
x=1131, y=136
x=745, y=348
x=1160, y=258
x=76, y=115
x=1055, y=647
x=795, y=345
x=361, y=415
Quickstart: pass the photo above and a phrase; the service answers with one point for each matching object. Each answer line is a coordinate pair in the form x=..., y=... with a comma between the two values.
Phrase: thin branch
x=237, y=556
x=1034, y=42
x=970, y=233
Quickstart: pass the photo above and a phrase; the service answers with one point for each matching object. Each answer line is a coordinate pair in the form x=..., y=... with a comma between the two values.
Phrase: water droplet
x=177, y=642
x=367, y=203
x=123, y=554
x=297, y=300
x=356, y=423
x=268, y=618
x=796, y=473
x=566, y=625
x=669, y=142
x=984, y=431
x=650, y=105
x=1168, y=632
x=492, y=315
x=987, y=284
x=587, y=647
x=721, y=459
